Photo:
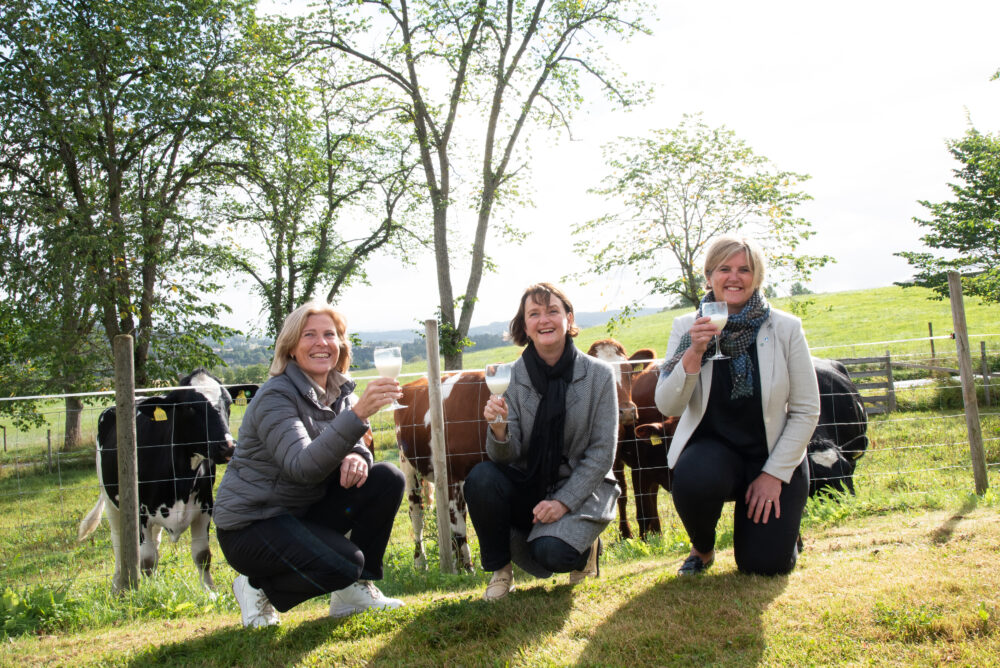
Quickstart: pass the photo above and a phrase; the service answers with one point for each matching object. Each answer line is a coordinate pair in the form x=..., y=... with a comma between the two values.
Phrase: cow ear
x=641, y=359
x=651, y=429
x=154, y=412
x=242, y=394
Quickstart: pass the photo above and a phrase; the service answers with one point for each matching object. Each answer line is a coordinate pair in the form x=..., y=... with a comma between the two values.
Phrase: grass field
x=902, y=574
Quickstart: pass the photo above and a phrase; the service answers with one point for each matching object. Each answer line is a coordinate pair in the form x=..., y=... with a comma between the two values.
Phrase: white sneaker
x=358, y=597
x=256, y=609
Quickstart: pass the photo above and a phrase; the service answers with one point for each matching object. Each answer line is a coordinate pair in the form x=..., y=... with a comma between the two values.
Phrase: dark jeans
x=293, y=559
x=497, y=507
x=707, y=474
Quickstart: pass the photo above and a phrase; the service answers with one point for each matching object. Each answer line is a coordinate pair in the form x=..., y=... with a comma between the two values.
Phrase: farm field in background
x=902, y=574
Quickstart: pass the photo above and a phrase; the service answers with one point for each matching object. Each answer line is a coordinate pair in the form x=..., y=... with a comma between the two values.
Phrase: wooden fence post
x=48, y=441
x=930, y=336
x=128, y=477
x=439, y=452
x=890, y=390
x=976, y=451
x=985, y=364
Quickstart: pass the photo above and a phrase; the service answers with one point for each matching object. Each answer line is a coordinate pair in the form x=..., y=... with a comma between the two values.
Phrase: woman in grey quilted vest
x=547, y=492
x=301, y=479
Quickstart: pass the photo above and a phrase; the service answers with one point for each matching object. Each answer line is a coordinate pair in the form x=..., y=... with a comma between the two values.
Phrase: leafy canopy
x=966, y=229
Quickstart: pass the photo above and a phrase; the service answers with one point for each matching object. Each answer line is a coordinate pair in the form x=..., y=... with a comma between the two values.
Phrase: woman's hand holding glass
x=381, y=392
x=702, y=333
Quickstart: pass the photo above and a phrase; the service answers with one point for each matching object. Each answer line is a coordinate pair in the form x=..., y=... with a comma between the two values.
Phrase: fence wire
x=45, y=490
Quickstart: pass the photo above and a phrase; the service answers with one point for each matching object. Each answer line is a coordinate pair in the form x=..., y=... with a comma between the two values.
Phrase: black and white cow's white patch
x=841, y=437
x=180, y=437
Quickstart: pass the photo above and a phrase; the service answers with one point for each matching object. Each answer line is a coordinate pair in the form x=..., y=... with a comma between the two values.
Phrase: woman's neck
x=551, y=355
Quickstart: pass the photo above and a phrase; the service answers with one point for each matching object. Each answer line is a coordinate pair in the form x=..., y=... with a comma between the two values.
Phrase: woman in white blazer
x=745, y=421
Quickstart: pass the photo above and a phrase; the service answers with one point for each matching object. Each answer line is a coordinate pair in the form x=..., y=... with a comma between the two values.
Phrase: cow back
x=465, y=394
x=842, y=417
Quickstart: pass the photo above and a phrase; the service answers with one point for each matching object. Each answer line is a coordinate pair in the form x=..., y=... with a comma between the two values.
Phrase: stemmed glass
x=718, y=314
x=498, y=380
x=388, y=363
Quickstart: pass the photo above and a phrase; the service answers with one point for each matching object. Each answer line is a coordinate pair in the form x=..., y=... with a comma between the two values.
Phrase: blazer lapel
x=765, y=361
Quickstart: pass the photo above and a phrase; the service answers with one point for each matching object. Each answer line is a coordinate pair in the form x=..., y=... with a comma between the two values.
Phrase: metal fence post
x=439, y=456
x=976, y=451
x=48, y=441
x=128, y=477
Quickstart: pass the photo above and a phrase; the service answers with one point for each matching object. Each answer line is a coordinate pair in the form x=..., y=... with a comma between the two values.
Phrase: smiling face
x=546, y=325
x=732, y=281
x=318, y=348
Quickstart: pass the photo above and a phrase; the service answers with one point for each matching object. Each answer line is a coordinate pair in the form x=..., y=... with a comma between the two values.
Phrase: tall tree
x=115, y=114
x=321, y=153
x=682, y=188
x=966, y=229
x=499, y=67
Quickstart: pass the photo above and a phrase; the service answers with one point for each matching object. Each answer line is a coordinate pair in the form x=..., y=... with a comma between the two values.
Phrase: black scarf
x=739, y=334
x=546, y=443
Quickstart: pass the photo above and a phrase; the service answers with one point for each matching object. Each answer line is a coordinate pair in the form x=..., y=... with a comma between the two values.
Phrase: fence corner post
x=128, y=478
x=439, y=452
x=972, y=424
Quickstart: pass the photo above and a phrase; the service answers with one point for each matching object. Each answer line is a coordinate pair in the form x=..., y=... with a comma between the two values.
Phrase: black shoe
x=693, y=565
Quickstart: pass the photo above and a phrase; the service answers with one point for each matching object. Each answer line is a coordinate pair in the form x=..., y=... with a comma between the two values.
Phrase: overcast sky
x=861, y=95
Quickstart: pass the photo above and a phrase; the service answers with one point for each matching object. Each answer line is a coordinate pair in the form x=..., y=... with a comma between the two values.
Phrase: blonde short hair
x=291, y=332
x=725, y=247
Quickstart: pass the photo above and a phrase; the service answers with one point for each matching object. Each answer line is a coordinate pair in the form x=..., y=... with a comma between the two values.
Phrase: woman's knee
x=481, y=481
x=554, y=554
x=388, y=478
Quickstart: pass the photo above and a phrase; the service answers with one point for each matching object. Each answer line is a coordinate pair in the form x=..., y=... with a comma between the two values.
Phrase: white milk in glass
x=498, y=385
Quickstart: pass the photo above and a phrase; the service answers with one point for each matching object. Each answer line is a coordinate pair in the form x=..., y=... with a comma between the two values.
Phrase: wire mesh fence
x=921, y=449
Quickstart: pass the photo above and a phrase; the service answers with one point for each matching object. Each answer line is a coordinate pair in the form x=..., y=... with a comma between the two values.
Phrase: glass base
x=395, y=405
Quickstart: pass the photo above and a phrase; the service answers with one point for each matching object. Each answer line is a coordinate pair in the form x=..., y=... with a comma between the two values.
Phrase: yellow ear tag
x=655, y=439
x=160, y=415
x=241, y=399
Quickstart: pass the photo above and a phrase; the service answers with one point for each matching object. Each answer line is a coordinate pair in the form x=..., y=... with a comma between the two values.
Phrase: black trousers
x=708, y=474
x=293, y=559
x=498, y=507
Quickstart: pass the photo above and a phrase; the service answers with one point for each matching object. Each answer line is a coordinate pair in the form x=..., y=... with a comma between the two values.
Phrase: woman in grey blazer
x=547, y=491
x=301, y=479
x=745, y=421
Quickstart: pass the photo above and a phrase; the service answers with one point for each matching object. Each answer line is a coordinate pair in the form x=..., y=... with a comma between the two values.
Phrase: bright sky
x=860, y=94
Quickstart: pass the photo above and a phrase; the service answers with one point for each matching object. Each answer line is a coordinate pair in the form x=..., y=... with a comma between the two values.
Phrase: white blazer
x=788, y=388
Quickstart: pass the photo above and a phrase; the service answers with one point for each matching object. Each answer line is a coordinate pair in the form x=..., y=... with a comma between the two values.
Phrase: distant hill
x=583, y=319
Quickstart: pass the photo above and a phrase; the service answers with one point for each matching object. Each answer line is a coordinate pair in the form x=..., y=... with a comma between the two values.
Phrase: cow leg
x=114, y=523
x=149, y=547
x=200, y=551
x=645, y=489
x=623, y=527
x=416, y=510
x=459, y=530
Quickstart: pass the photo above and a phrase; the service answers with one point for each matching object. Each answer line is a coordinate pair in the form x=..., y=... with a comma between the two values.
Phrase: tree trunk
x=74, y=416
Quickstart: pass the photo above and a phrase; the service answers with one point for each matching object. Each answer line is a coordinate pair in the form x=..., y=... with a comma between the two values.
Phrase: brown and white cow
x=464, y=395
x=643, y=434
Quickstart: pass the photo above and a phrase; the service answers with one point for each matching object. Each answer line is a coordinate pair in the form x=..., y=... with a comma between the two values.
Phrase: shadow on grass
x=944, y=532
x=707, y=620
x=457, y=632
x=445, y=632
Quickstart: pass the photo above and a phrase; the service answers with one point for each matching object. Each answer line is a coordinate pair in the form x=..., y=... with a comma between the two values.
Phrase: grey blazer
x=289, y=444
x=586, y=484
x=789, y=392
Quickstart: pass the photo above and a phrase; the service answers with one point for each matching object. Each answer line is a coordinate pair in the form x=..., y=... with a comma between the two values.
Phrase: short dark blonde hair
x=540, y=293
x=725, y=247
x=291, y=332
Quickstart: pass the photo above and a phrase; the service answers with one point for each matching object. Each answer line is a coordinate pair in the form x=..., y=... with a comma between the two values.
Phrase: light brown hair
x=540, y=293
x=291, y=332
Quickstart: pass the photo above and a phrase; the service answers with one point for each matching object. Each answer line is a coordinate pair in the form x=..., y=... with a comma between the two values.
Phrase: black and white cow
x=841, y=437
x=180, y=437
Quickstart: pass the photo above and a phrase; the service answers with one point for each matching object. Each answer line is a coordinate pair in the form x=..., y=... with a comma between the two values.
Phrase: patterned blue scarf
x=737, y=336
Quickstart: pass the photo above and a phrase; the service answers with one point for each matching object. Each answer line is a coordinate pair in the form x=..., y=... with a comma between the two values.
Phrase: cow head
x=220, y=398
x=613, y=352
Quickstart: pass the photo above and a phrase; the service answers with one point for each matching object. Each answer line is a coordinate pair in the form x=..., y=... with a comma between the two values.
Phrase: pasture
x=902, y=574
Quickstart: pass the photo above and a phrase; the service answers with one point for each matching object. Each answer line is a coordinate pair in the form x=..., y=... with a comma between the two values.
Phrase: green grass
x=902, y=574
